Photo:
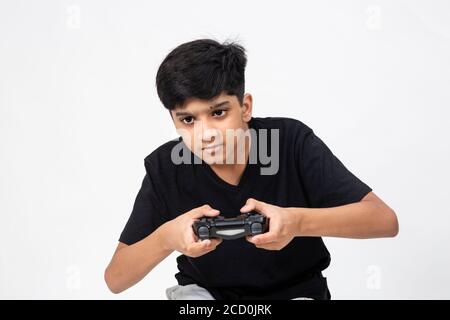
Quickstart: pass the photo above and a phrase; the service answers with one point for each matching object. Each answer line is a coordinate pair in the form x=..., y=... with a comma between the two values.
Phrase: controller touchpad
x=230, y=232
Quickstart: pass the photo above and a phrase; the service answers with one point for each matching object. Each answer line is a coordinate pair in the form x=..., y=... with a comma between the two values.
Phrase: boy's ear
x=247, y=106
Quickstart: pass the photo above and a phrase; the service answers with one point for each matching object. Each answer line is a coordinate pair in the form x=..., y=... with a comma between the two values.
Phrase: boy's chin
x=213, y=160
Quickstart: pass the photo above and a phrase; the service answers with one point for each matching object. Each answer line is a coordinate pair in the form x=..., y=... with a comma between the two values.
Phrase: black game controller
x=251, y=224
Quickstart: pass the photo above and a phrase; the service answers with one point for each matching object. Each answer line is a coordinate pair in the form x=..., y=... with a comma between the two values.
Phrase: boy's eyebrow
x=215, y=106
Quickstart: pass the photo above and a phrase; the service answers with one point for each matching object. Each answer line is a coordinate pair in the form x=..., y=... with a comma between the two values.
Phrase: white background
x=79, y=112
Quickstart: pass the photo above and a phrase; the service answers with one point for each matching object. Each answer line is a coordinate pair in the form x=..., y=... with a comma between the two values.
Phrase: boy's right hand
x=180, y=236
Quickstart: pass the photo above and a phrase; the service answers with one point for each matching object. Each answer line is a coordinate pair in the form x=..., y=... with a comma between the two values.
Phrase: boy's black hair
x=201, y=69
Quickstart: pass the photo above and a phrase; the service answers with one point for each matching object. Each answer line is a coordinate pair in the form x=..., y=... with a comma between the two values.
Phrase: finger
x=252, y=240
x=202, y=211
x=263, y=239
x=273, y=247
x=253, y=204
x=216, y=242
x=199, y=247
x=211, y=247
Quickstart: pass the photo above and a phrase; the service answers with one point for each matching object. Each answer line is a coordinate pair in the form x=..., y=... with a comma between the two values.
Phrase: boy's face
x=215, y=130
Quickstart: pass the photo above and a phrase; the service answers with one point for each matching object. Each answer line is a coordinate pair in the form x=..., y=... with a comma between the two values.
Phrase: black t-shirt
x=309, y=175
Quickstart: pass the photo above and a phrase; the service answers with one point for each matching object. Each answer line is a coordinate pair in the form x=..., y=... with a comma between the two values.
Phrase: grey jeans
x=195, y=292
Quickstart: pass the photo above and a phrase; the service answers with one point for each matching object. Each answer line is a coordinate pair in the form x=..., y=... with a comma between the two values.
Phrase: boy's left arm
x=368, y=218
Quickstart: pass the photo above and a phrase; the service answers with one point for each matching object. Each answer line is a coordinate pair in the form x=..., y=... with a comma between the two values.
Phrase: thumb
x=205, y=210
x=253, y=205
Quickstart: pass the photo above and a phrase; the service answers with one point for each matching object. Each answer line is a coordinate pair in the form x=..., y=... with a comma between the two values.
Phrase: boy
x=297, y=183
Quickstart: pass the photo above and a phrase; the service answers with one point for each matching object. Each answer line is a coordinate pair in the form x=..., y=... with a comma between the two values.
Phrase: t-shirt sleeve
x=327, y=182
x=149, y=211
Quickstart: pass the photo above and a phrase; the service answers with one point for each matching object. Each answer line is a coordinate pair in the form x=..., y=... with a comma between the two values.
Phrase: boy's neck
x=232, y=173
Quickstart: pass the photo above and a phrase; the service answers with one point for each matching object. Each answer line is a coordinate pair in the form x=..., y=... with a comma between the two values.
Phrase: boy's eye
x=187, y=120
x=215, y=113
x=219, y=113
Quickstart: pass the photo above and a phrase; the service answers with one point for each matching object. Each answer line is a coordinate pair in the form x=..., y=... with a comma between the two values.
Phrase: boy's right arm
x=130, y=264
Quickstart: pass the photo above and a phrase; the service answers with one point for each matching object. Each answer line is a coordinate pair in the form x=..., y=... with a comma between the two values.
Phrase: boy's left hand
x=283, y=225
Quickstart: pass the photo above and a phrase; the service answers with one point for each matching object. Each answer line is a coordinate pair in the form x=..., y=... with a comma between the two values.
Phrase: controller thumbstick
x=203, y=232
x=256, y=228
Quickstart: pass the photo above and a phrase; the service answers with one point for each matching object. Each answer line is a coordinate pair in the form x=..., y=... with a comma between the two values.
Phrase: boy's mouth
x=212, y=148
